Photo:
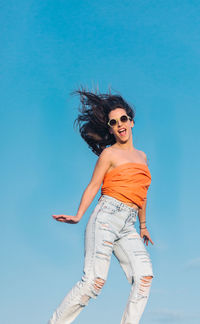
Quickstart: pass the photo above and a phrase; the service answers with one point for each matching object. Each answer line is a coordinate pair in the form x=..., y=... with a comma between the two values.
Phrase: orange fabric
x=127, y=182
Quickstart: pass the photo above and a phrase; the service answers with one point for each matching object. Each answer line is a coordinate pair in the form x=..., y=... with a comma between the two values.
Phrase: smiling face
x=122, y=130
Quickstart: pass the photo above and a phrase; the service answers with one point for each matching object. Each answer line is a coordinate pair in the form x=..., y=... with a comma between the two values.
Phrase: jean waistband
x=118, y=203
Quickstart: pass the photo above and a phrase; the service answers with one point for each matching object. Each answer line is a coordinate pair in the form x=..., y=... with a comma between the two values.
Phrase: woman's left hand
x=145, y=234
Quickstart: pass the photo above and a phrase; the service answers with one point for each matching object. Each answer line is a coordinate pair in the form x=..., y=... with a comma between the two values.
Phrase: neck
x=127, y=146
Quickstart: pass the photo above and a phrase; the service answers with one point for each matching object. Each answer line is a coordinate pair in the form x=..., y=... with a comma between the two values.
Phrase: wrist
x=78, y=217
x=144, y=225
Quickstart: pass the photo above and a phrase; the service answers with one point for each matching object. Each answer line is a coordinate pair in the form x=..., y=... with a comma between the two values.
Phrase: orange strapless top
x=127, y=182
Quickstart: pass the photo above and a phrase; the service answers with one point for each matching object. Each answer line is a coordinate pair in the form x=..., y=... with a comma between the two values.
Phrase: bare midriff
x=131, y=205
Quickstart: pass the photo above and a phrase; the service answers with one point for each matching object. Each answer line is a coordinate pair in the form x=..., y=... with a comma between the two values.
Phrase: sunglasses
x=123, y=119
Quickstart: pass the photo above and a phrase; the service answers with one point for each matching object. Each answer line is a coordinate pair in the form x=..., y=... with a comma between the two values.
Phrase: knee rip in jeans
x=144, y=287
x=97, y=285
x=145, y=284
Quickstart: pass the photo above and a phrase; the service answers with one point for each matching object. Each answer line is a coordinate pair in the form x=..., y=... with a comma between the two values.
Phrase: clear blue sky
x=149, y=52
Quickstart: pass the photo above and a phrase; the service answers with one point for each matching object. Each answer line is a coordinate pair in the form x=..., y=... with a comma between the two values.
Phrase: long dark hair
x=93, y=117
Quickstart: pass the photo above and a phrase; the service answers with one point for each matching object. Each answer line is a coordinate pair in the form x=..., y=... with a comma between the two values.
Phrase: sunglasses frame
x=117, y=119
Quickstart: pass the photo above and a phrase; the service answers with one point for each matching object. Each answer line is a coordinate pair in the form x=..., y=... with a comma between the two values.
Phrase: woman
x=108, y=121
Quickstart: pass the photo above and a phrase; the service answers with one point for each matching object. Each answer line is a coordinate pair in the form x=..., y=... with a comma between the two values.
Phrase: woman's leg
x=99, y=239
x=135, y=261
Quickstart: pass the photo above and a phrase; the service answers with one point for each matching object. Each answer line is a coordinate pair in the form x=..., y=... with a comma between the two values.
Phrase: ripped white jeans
x=110, y=229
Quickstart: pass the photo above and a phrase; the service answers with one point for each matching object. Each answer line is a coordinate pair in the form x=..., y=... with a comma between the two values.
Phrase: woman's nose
x=119, y=123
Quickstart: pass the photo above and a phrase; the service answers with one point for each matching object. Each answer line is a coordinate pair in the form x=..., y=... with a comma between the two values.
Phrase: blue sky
x=149, y=52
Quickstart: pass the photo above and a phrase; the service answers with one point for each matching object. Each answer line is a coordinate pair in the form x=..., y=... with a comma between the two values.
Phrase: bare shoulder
x=105, y=155
x=143, y=154
x=102, y=165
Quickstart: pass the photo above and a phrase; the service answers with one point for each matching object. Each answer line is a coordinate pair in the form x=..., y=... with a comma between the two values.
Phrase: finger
x=151, y=241
x=61, y=218
x=67, y=220
x=147, y=239
x=56, y=216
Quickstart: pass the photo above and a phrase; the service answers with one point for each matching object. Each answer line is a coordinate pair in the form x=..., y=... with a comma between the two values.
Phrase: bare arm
x=102, y=165
x=144, y=233
x=142, y=217
x=142, y=214
x=142, y=210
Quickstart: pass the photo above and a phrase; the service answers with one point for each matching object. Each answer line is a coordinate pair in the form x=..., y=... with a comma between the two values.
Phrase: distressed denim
x=110, y=229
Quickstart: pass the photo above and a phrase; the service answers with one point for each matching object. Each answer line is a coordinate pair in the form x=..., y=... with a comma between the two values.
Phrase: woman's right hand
x=66, y=219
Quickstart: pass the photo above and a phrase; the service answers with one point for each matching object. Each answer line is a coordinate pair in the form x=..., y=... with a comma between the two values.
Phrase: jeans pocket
x=106, y=212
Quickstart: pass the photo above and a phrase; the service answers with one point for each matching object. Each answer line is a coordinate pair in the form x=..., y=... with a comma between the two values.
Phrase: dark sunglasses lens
x=124, y=118
x=112, y=122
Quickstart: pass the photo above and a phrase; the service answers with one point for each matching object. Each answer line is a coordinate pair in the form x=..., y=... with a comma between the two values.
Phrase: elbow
x=94, y=187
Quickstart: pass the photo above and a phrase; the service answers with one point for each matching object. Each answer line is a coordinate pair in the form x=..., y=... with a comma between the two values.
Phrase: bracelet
x=142, y=227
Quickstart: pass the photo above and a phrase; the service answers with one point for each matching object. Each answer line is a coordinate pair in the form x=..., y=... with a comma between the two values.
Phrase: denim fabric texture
x=110, y=229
